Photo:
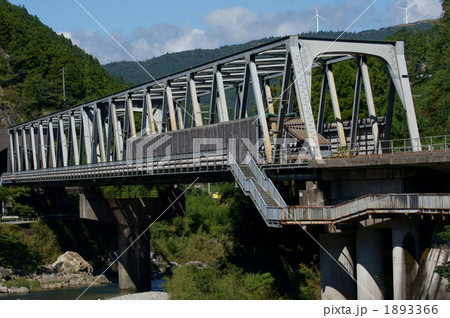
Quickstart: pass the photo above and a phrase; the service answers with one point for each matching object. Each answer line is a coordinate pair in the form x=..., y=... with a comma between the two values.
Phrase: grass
x=23, y=282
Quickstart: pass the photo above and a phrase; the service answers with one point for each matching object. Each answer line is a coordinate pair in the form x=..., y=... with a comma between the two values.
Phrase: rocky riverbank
x=143, y=296
x=70, y=270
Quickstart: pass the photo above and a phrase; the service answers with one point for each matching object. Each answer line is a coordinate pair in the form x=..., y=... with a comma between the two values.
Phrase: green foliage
x=445, y=235
x=444, y=270
x=427, y=54
x=245, y=259
x=211, y=282
x=23, y=282
x=31, y=64
x=13, y=252
x=23, y=249
x=310, y=284
x=43, y=243
x=12, y=195
x=202, y=234
x=129, y=191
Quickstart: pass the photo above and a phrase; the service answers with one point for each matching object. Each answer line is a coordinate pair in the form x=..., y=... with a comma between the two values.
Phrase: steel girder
x=97, y=131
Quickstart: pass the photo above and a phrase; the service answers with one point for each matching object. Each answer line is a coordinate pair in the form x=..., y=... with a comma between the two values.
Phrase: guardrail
x=388, y=203
x=18, y=220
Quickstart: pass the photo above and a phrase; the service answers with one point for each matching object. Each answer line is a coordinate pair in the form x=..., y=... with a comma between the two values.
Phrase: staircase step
x=266, y=196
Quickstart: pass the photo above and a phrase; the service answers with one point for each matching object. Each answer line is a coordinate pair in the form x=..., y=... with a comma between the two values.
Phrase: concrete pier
x=336, y=281
x=133, y=217
x=406, y=254
x=370, y=260
x=134, y=264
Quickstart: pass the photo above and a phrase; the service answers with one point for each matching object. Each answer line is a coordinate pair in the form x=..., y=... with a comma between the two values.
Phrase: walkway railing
x=270, y=214
x=265, y=182
x=370, y=204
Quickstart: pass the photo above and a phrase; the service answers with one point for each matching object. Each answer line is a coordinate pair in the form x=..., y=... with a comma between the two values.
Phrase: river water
x=72, y=293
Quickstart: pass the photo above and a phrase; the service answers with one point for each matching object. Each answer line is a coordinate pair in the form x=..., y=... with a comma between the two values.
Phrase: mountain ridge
x=170, y=63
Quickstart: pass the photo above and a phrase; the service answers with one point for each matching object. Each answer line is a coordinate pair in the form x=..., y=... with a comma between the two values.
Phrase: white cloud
x=239, y=24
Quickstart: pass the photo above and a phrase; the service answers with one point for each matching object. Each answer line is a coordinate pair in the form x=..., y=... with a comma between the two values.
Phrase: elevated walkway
x=259, y=188
x=369, y=206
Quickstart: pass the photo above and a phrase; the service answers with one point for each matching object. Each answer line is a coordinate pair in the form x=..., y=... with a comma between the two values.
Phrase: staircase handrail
x=265, y=182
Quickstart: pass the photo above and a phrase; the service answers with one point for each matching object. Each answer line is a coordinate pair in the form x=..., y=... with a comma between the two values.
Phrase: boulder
x=196, y=264
x=3, y=289
x=101, y=280
x=72, y=262
x=20, y=290
x=174, y=264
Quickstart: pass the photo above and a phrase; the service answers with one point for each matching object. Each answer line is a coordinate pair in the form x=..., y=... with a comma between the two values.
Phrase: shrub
x=15, y=254
x=444, y=270
x=310, y=287
x=209, y=283
x=22, y=282
x=43, y=243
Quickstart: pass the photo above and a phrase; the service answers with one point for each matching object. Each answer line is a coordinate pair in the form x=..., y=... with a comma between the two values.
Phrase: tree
x=12, y=195
x=444, y=270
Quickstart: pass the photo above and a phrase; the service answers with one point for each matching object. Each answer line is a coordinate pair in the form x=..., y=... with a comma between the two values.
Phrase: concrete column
x=134, y=264
x=132, y=217
x=370, y=269
x=336, y=282
x=405, y=255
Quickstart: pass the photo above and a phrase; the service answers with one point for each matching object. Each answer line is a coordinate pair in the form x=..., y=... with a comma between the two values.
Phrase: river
x=72, y=293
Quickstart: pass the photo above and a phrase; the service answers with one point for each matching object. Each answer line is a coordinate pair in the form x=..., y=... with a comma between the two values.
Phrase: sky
x=148, y=28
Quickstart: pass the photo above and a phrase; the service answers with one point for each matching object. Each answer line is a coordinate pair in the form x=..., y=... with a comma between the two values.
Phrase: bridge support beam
x=337, y=280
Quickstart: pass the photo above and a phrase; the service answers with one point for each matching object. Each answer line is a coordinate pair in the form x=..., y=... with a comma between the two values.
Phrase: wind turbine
x=317, y=16
x=406, y=13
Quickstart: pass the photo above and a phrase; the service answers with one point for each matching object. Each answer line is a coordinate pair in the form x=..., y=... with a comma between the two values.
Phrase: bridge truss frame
x=97, y=131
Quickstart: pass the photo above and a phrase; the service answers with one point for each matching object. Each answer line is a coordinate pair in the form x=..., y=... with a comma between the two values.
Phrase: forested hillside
x=174, y=62
x=32, y=57
x=428, y=56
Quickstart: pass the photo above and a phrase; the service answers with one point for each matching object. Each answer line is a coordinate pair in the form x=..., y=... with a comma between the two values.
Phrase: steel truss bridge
x=220, y=117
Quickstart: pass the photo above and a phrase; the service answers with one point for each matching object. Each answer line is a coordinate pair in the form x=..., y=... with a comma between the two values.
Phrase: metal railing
x=301, y=155
x=269, y=214
x=265, y=182
x=387, y=203
x=18, y=219
x=204, y=162
x=218, y=160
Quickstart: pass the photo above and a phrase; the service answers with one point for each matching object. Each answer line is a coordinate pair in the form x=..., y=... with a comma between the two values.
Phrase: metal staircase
x=259, y=188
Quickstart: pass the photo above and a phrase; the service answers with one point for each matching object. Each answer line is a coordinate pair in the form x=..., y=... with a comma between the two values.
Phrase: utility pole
x=64, y=84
